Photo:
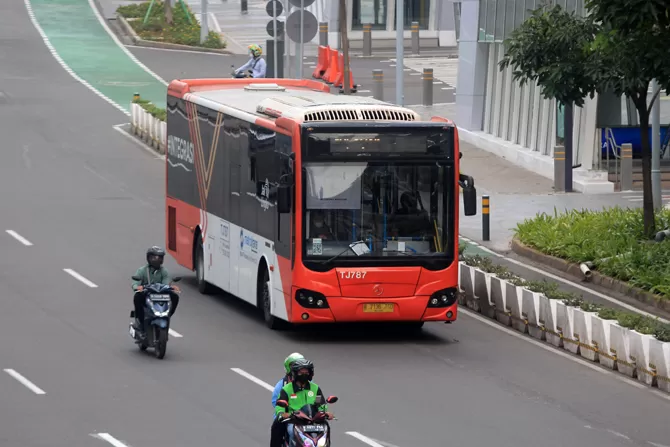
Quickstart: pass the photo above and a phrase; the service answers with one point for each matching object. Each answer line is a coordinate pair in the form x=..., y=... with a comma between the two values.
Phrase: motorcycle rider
x=256, y=64
x=277, y=429
x=300, y=391
x=152, y=272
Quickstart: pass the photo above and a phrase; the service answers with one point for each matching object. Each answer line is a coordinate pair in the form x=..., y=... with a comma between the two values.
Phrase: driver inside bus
x=318, y=227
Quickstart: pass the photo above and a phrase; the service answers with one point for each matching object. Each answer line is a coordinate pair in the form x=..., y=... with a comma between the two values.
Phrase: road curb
x=137, y=40
x=597, y=278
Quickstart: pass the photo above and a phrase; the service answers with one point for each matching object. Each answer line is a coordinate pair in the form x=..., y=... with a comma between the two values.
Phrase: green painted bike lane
x=83, y=43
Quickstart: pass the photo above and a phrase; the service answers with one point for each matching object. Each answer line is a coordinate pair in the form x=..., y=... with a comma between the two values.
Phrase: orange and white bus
x=314, y=207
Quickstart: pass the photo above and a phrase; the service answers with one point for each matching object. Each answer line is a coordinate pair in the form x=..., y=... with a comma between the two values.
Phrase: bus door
x=233, y=148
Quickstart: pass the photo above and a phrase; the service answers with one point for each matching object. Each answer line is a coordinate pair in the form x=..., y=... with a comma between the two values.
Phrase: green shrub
x=662, y=332
x=607, y=313
x=181, y=31
x=613, y=239
x=462, y=247
x=155, y=111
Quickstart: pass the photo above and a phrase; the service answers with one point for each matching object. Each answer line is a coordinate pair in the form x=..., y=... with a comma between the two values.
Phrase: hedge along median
x=633, y=344
x=149, y=123
x=184, y=30
x=611, y=242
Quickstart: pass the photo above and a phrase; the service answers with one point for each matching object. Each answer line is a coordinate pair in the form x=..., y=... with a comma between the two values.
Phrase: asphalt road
x=89, y=199
x=179, y=64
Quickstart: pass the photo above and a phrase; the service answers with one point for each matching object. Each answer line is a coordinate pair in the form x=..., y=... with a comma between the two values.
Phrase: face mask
x=302, y=378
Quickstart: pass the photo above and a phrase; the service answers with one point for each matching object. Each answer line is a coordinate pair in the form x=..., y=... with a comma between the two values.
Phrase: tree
x=619, y=46
x=552, y=48
x=168, y=11
x=628, y=52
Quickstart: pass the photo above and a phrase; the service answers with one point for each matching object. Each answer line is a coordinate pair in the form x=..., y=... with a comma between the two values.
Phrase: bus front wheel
x=265, y=302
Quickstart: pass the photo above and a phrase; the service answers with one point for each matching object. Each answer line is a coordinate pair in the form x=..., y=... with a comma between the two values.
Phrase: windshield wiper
x=350, y=247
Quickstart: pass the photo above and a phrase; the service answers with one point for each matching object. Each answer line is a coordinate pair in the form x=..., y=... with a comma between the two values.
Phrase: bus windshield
x=378, y=208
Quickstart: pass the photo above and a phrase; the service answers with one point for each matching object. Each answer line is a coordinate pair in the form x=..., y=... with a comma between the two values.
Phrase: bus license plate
x=378, y=307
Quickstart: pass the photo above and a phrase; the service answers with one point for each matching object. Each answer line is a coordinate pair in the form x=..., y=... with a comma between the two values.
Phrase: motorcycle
x=310, y=426
x=157, y=307
x=248, y=74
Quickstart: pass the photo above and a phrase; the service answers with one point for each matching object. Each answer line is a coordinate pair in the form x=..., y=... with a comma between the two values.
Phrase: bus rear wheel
x=203, y=286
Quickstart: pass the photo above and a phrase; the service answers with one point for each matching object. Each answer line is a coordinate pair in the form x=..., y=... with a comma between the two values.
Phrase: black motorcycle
x=310, y=425
x=242, y=74
x=157, y=307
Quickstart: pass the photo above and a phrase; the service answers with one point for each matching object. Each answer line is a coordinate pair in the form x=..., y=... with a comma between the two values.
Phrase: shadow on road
x=382, y=333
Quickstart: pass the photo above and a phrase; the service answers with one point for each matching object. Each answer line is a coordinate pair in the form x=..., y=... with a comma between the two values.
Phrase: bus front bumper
x=341, y=309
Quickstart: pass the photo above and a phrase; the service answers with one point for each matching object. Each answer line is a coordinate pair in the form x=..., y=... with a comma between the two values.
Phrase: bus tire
x=203, y=286
x=413, y=326
x=265, y=300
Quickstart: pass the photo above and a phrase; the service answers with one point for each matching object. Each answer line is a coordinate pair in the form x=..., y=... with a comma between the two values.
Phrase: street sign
x=311, y=26
x=297, y=3
x=269, y=8
x=270, y=28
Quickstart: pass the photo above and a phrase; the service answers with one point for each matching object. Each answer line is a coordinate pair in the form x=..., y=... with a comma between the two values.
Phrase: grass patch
x=612, y=239
x=157, y=29
x=155, y=111
x=637, y=322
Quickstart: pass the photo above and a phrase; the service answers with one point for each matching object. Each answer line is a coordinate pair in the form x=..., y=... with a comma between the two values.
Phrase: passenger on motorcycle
x=151, y=273
x=277, y=429
x=299, y=392
x=256, y=65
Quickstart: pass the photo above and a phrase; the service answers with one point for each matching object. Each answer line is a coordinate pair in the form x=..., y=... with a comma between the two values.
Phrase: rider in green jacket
x=150, y=273
x=299, y=392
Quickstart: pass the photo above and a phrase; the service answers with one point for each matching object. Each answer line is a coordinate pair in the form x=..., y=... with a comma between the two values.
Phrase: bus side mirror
x=284, y=199
x=469, y=194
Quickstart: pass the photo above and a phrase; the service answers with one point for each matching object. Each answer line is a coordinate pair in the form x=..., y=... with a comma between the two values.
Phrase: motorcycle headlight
x=321, y=442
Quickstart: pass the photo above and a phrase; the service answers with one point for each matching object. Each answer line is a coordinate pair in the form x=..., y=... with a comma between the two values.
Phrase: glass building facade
x=497, y=18
x=376, y=12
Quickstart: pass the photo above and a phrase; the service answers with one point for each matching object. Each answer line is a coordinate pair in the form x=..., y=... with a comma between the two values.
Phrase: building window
x=416, y=11
x=369, y=11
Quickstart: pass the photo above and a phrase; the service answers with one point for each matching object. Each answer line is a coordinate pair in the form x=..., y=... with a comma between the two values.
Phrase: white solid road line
x=19, y=238
x=111, y=439
x=139, y=142
x=254, y=379
x=62, y=63
x=116, y=40
x=80, y=278
x=564, y=354
x=563, y=280
x=363, y=438
x=174, y=333
x=25, y=382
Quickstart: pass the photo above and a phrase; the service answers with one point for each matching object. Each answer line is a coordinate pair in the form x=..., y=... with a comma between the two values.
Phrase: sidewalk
x=241, y=30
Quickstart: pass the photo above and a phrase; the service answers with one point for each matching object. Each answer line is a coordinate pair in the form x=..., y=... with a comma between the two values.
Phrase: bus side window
x=282, y=152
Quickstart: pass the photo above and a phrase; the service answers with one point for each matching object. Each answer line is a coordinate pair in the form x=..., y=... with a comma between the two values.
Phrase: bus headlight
x=443, y=298
x=310, y=299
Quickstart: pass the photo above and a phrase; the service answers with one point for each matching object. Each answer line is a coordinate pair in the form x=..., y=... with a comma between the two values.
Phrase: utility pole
x=346, y=85
x=399, y=52
x=168, y=11
x=656, y=190
x=204, y=23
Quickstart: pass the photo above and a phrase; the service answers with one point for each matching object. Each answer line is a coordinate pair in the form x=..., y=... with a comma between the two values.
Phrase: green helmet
x=290, y=359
